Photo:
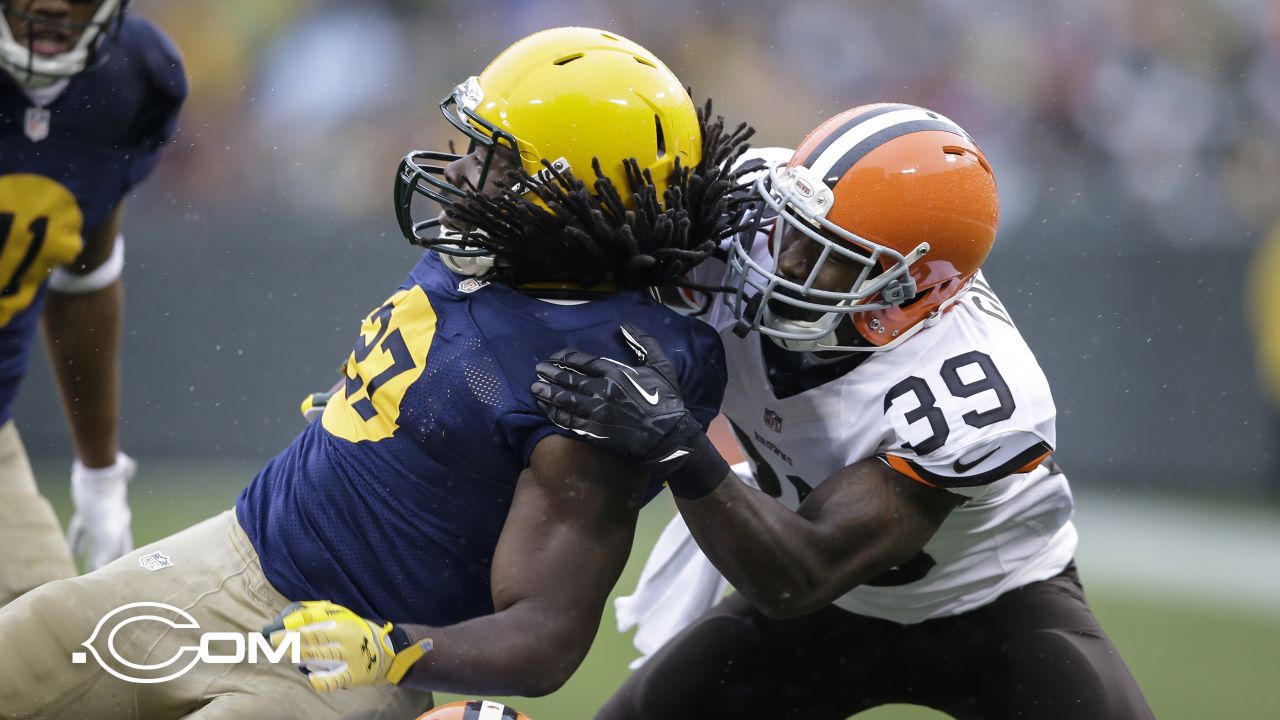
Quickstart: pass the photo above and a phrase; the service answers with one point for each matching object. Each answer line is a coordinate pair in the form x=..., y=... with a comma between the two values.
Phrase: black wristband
x=701, y=473
x=399, y=638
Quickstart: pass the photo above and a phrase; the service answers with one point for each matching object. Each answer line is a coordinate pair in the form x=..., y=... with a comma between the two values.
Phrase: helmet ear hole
x=662, y=140
x=913, y=299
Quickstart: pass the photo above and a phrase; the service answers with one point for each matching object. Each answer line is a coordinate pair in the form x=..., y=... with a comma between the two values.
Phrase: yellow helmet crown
x=576, y=93
x=565, y=96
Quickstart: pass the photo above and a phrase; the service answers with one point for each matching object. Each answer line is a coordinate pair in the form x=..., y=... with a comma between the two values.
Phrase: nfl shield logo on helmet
x=37, y=124
x=773, y=420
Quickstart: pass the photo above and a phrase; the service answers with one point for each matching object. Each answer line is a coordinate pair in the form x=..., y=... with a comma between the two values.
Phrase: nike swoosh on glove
x=633, y=411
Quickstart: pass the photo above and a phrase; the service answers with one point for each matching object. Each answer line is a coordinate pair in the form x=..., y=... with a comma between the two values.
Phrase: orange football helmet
x=474, y=710
x=899, y=189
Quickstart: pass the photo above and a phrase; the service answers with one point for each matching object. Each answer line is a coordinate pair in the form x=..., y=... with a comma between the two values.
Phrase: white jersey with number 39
x=962, y=405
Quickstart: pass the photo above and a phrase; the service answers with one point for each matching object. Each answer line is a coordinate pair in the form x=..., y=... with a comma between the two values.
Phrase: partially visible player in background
x=910, y=540
x=88, y=94
x=433, y=530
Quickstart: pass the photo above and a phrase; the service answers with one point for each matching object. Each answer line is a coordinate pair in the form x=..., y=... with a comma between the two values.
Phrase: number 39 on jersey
x=953, y=424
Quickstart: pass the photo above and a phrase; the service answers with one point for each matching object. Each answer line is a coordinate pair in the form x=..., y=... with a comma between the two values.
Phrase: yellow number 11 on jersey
x=40, y=226
x=389, y=356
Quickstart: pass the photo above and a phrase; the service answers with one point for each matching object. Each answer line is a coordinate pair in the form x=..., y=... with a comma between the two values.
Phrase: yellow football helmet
x=564, y=95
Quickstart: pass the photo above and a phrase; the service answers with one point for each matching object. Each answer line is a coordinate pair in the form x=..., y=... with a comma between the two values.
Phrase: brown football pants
x=1036, y=652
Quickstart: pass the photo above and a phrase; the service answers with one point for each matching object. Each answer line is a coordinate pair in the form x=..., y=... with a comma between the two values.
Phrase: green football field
x=1188, y=593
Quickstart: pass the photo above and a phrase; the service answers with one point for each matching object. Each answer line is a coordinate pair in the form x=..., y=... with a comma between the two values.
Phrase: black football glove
x=633, y=411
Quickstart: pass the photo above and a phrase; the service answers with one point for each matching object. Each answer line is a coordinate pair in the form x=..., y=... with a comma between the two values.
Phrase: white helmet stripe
x=489, y=710
x=855, y=135
x=849, y=123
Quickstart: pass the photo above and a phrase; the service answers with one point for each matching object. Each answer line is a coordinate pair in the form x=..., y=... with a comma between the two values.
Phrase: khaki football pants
x=33, y=549
x=211, y=573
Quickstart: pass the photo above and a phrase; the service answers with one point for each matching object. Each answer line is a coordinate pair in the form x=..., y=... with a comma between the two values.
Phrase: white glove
x=100, y=528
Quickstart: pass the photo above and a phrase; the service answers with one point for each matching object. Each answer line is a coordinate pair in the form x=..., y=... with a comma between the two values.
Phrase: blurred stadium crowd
x=1133, y=141
x=1166, y=108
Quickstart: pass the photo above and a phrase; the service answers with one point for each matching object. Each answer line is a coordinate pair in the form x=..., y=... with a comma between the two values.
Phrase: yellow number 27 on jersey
x=389, y=356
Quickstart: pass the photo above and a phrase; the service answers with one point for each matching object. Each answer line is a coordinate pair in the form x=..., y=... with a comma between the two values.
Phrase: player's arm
x=563, y=547
x=864, y=520
x=82, y=318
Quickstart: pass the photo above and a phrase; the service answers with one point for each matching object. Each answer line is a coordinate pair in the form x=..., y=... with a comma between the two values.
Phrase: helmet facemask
x=33, y=70
x=596, y=126
x=422, y=173
x=795, y=197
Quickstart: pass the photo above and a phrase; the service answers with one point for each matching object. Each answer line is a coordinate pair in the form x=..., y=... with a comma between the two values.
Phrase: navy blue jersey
x=392, y=503
x=66, y=166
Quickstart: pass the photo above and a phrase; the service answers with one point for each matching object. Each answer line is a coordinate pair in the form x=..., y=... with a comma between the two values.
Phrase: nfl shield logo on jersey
x=773, y=420
x=37, y=124
x=471, y=285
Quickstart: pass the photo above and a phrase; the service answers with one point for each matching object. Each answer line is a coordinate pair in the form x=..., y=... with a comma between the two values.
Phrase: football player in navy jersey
x=433, y=530
x=902, y=534
x=88, y=95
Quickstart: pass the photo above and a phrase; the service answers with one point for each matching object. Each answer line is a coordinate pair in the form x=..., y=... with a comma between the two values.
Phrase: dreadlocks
x=589, y=237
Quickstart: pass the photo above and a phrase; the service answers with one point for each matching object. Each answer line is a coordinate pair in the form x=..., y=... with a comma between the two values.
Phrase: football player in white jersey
x=910, y=540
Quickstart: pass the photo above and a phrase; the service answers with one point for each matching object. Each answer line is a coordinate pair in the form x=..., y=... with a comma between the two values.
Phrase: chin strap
x=470, y=265
x=459, y=259
x=824, y=342
x=929, y=321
